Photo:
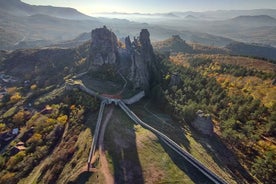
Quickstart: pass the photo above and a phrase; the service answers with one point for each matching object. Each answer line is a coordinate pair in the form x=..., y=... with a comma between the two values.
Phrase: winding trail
x=125, y=84
x=174, y=146
x=100, y=132
x=109, y=179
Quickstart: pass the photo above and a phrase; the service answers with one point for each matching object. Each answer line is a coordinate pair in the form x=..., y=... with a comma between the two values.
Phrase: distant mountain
x=226, y=14
x=243, y=28
x=79, y=40
x=27, y=26
x=19, y=8
x=207, y=15
x=176, y=44
x=173, y=44
x=191, y=17
x=257, y=20
x=238, y=48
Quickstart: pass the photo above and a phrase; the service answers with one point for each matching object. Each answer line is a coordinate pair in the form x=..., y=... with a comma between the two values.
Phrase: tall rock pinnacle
x=103, y=48
x=142, y=61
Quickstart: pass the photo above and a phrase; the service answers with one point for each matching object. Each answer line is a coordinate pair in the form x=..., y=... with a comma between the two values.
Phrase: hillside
x=174, y=44
x=239, y=93
x=48, y=94
x=254, y=50
x=27, y=26
x=177, y=44
x=257, y=20
x=250, y=26
x=19, y=8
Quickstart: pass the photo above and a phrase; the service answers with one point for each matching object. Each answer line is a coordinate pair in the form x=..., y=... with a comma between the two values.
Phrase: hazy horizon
x=153, y=6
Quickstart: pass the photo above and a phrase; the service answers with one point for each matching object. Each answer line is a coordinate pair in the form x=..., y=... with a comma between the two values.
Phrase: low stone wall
x=135, y=98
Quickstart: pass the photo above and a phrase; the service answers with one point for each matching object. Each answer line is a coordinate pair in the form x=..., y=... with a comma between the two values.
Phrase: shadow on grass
x=120, y=143
x=156, y=119
x=224, y=157
x=82, y=178
x=194, y=174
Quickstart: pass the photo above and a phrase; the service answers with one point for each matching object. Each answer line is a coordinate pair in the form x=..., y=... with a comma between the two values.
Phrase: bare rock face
x=103, y=48
x=128, y=44
x=142, y=60
x=136, y=60
x=175, y=79
x=203, y=123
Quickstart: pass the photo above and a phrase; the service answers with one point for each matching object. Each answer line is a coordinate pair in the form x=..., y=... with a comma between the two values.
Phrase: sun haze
x=155, y=6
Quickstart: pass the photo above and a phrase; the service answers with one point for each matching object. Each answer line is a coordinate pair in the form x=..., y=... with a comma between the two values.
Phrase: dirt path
x=109, y=179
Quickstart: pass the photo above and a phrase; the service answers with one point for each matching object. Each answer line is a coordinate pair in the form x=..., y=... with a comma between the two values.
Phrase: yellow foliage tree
x=19, y=118
x=2, y=126
x=35, y=139
x=15, y=98
x=62, y=119
x=33, y=87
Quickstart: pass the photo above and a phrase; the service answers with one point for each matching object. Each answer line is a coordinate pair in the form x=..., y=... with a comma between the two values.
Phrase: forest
x=244, y=121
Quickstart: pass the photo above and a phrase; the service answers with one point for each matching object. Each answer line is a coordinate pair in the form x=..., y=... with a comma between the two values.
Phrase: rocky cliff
x=103, y=48
x=136, y=60
x=142, y=60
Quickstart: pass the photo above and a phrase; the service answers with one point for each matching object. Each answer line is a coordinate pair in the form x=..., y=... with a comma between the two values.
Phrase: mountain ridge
x=19, y=8
x=263, y=19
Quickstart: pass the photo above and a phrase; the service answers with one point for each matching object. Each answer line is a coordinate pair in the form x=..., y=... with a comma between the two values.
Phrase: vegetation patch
x=193, y=82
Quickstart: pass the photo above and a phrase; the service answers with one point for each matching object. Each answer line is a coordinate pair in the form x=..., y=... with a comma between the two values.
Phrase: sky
x=90, y=7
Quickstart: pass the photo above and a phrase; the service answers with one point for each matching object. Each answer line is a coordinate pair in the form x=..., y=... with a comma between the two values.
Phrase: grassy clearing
x=137, y=156
x=76, y=165
x=203, y=148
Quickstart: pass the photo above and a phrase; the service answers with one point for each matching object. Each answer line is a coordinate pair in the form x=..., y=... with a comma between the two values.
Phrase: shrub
x=15, y=98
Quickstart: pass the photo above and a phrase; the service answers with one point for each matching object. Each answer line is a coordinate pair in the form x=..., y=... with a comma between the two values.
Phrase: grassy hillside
x=238, y=92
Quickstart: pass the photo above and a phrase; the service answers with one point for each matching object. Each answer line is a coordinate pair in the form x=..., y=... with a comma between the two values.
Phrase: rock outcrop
x=142, y=60
x=203, y=123
x=136, y=60
x=128, y=44
x=103, y=48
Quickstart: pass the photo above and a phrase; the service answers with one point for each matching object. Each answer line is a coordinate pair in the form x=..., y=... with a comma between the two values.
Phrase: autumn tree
x=2, y=127
x=15, y=159
x=35, y=139
x=15, y=98
x=19, y=118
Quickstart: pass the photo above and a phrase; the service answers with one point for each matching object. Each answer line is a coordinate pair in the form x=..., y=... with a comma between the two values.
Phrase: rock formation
x=203, y=123
x=142, y=60
x=136, y=60
x=128, y=44
x=103, y=48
